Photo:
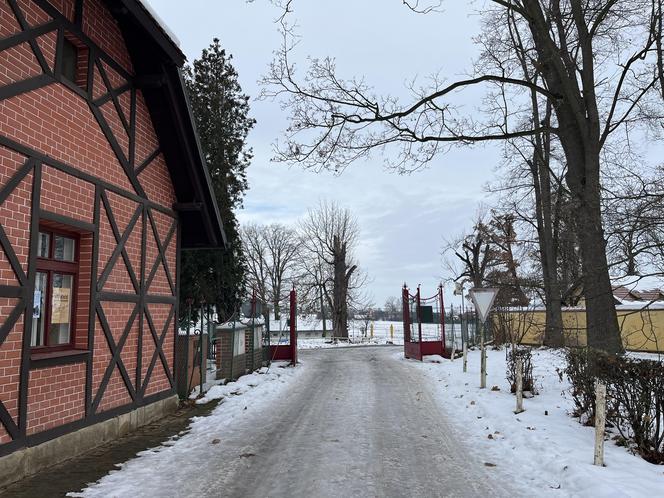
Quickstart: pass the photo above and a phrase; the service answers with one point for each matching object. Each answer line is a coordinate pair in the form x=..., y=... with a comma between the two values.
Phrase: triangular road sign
x=483, y=298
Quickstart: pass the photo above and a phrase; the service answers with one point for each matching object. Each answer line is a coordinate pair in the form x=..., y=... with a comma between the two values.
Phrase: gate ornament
x=483, y=298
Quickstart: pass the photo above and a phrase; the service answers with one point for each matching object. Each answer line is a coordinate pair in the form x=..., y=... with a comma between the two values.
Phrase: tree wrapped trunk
x=342, y=275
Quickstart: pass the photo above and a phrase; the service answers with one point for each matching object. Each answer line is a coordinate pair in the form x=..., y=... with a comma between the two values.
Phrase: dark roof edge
x=178, y=94
x=145, y=18
x=207, y=190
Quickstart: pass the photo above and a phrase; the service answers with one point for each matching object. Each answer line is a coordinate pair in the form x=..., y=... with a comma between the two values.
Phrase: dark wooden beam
x=187, y=206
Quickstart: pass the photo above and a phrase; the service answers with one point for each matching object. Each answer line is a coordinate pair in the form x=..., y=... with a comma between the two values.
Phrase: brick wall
x=254, y=359
x=67, y=195
x=189, y=356
x=55, y=397
x=116, y=393
x=58, y=122
x=229, y=366
x=158, y=380
x=10, y=363
x=83, y=292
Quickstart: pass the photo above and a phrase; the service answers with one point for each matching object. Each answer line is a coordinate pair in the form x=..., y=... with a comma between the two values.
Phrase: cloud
x=403, y=218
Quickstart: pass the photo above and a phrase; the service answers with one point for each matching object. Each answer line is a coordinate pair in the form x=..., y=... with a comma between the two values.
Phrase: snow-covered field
x=252, y=393
x=542, y=450
x=384, y=332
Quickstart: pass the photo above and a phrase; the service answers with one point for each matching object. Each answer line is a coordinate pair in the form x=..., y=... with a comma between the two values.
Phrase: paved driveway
x=360, y=422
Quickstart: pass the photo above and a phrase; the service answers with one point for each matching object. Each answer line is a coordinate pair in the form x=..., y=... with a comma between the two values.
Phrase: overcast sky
x=403, y=219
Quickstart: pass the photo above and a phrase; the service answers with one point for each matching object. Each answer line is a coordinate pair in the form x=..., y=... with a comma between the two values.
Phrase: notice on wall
x=60, y=305
x=239, y=342
x=36, y=304
x=258, y=337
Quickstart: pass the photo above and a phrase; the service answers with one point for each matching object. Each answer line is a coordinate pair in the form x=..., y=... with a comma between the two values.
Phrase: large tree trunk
x=339, y=296
x=277, y=307
x=342, y=275
x=553, y=328
x=603, y=331
x=601, y=319
x=579, y=133
x=322, y=312
x=541, y=172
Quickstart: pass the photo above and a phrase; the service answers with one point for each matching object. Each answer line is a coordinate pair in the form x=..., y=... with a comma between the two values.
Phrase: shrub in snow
x=637, y=398
x=582, y=370
x=526, y=356
x=635, y=394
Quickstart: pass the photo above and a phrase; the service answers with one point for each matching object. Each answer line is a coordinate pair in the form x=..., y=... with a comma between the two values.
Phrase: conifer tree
x=221, y=113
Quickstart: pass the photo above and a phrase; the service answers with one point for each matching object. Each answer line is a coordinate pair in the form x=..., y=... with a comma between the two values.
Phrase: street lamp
x=483, y=298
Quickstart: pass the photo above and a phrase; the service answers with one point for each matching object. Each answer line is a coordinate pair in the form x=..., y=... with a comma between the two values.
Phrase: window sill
x=53, y=358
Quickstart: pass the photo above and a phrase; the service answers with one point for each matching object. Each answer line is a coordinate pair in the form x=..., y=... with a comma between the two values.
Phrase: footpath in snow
x=543, y=451
x=185, y=454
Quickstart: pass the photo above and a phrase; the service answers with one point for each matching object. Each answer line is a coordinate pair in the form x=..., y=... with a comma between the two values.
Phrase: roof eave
x=152, y=26
x=208, y=191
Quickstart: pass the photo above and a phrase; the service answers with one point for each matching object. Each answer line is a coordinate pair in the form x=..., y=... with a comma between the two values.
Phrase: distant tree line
x=316, y=256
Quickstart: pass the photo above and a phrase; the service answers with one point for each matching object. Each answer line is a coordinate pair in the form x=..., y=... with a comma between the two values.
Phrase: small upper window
x=69, y=61
x=74, y=66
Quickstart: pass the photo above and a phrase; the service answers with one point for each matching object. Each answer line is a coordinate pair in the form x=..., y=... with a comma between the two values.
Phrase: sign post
x=458, y=291
x=483, y=298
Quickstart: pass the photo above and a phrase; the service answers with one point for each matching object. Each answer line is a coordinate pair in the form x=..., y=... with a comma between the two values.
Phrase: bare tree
x=600, y=63
x=392, y=308
x=363, y=314
x=505, y=274
x=330, y=234
x=256, y=256
x=470, y=256
x=532, y=156
x=272, y=252
x=313, y=274
x=635, y=223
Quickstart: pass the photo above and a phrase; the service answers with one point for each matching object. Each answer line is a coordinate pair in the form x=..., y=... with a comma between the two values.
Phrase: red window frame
x=50, y=265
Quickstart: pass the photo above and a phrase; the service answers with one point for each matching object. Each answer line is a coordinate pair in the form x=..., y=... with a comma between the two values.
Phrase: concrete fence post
x=482, y=360
x=519, y=385
x=453, y=344
x=600, y=421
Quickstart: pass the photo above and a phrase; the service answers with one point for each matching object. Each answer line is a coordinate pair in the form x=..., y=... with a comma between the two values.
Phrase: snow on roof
x=640, y=305
x=642, y=287
x=623, y=293
x=164, y=27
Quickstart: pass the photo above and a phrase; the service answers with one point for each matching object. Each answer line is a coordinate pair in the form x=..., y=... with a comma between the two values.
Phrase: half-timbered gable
x=101, y=184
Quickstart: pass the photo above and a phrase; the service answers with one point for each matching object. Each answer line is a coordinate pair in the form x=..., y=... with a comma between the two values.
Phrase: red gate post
x=419, y=317
x=293, y=326
x=442, y=320
x=405, y=309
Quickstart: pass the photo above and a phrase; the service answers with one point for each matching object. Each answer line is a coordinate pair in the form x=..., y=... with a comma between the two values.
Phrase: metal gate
x=424, y=324
x=285, y=348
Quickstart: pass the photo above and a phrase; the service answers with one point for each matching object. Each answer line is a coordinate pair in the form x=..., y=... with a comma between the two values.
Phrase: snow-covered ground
x=542, y=450
x=251, y=394
x=353, y=422
x=320, y=343
x=384, y=332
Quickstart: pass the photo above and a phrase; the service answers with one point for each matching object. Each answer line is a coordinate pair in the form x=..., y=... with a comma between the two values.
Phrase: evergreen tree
x=221, y=112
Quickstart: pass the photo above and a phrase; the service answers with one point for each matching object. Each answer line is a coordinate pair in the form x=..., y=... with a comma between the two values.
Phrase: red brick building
x=102, y=182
